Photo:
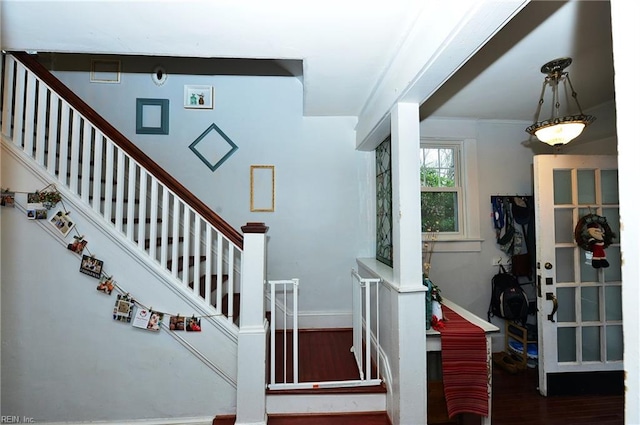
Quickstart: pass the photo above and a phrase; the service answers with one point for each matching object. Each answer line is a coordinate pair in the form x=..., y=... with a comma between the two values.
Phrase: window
x=440, y=185
x=449, y=191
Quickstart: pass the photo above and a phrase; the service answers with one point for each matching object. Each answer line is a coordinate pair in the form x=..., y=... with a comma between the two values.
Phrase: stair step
x=236, y=306
x=147, y=242
x=192, y=261
x=214, y=283
x=363, y=418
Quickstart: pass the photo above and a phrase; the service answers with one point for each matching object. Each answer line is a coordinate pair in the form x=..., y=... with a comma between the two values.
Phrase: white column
x=623, y=26
x=405, y=184
x=410, y=386
x=251, y=402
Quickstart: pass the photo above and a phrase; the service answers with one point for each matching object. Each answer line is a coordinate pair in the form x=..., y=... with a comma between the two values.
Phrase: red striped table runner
x=464, y=366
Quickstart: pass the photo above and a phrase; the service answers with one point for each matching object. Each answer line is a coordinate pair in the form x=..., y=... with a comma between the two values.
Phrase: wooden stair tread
x=359, y=418
x=192, y=261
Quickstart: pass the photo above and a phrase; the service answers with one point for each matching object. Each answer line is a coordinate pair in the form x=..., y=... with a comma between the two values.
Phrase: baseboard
x=324, y=319
x=167, y=421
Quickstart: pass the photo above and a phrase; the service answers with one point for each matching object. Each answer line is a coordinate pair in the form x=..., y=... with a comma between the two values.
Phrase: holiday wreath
x=593, y=233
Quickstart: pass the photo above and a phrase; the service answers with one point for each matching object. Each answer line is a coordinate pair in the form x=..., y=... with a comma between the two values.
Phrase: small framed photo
x=62, y=223
x=105, y=71
x=78, y=244
x=198, y=97
x=91, y=266
x=8, y=199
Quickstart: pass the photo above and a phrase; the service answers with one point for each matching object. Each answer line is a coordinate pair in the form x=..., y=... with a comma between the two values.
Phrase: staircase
x=155, y=217
x=92, y=160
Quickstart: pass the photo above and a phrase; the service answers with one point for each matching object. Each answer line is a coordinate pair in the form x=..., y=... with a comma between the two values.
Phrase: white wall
x=323, y=218
x=66, y=359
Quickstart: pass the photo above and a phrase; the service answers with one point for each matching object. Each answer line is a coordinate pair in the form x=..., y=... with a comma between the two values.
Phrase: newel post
x=251, y=402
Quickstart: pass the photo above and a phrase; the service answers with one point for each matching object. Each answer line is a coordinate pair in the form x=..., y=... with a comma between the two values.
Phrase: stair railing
x=364, y=329
x=281, y=320
x=283, y=296
x=82, y=151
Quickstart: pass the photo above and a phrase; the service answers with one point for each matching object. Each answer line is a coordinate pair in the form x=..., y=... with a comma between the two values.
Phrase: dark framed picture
x=91, y=266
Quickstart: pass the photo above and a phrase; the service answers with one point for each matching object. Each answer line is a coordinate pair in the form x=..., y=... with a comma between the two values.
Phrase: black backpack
x=508, y=299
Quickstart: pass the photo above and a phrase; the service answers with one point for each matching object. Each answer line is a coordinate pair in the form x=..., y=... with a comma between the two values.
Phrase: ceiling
x=503, y=81
x=344, y=51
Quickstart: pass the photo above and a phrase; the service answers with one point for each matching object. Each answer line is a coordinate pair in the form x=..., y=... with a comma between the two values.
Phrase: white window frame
x=468, y=236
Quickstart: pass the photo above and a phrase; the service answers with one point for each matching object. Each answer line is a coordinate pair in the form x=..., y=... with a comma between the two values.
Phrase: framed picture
x=105, y=71
x=152, y=116
x=62, y=223
x=263, y=191
x=198, y=97
x=91, y=266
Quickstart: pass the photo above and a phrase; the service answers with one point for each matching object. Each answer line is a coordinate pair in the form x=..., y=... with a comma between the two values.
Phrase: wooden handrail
x=131, y=149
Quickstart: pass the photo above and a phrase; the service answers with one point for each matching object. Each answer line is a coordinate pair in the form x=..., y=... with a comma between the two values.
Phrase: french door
x=579, y=307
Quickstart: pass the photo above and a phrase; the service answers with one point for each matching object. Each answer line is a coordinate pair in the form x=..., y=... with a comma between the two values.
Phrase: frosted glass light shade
x=559, y=134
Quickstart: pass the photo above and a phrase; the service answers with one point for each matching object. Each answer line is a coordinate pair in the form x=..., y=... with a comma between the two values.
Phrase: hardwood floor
x=516, y=400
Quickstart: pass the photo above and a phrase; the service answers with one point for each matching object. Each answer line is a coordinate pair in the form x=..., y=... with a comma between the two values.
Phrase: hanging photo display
x=176, y=323
x=148, y=319
x=35, y=209
x=78, y=244
x=91, y=266
x=106, y=285
x=62, y=223
x=123, y=308
x=193, y=325
x=8, y=199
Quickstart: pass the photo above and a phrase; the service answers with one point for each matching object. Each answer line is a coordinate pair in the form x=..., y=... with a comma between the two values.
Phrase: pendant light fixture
x=558, y=130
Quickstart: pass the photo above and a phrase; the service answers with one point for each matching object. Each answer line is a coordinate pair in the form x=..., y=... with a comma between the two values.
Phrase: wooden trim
x=254, y=227
x=126, y=145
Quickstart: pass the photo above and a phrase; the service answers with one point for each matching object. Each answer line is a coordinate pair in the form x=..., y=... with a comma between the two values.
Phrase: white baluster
x=186, y=246
x=54, y=126
x=164, y=232
x=29, y=114
x=63, y=144
x=153, y=220
x=208, y=265
x=120, y=182
x=176, y=236
x=19, y=106
x=9, y=76
x=142, y=210
x=85, y=176
x=132, y=195
x=41, y=121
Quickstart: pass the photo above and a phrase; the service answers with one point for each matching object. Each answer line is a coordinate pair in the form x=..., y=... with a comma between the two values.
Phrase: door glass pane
x=562, y=187
x=614, y=343
x=566, y=304
x=590, y=302
x=586, y=187
x=613, y=220
x=587, y=272
x=609, y=179
x=613, y=272
x=564, y=225
x=564, y=265
x=591, y=343
x=613, y=303
x=566, y=344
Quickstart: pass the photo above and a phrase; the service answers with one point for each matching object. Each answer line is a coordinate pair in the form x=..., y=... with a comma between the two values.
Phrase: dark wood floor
x=516, y=400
